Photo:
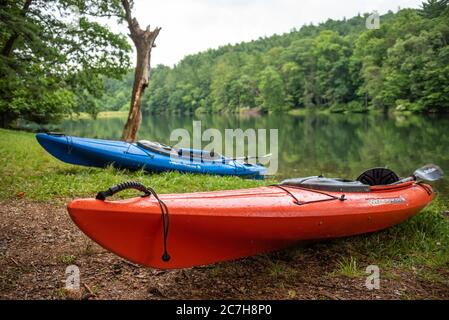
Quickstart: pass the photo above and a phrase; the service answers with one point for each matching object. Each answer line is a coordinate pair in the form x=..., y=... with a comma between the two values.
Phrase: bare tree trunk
x=144, y=42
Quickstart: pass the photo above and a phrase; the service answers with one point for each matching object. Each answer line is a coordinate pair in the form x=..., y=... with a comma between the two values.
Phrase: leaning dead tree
x=144, y=42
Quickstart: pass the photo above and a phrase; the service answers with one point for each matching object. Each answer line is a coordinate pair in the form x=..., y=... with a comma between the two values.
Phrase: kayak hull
x=209, y=227
x=102, y=153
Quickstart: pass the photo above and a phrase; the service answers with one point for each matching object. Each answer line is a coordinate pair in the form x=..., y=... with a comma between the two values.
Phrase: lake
x=342, y=145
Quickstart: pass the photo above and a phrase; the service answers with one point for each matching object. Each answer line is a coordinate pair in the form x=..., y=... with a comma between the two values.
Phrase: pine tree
x=433, y=8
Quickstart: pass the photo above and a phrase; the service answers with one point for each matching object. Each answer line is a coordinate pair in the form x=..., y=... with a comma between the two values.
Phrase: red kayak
x=208, y=227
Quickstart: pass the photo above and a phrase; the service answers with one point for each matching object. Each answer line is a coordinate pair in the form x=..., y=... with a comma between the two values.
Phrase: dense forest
x=55, y=68
x=337, y=65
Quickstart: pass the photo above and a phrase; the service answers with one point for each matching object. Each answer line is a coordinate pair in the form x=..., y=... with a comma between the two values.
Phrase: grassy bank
x=419, y=246
x=100, y=115
x=29, y=171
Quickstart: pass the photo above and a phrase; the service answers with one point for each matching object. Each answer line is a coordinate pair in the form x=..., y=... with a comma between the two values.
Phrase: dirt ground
x=38, y=241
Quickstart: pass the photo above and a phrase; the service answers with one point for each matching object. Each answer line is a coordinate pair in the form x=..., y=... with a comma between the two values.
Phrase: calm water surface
x=333, y=145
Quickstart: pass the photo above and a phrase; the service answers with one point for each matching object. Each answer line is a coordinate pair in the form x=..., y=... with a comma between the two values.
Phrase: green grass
x=280, y=270
x=421, y=241
x=297, y=112
x=28, y=170
x=348, y=267
x=101, y=115
x=433, y=277
x=302, y=112
x=67, y=258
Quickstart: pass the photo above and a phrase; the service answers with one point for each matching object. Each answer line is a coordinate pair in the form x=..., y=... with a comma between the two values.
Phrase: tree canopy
x=54, y=55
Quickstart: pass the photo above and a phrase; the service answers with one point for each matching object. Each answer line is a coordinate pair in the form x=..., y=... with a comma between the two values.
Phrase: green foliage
x=274, y=74
x=434, y=8
x=53, y=55
x=271, y=89
x=337, y=65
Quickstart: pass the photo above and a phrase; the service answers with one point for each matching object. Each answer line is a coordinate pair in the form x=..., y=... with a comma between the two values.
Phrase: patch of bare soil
x=38, y=241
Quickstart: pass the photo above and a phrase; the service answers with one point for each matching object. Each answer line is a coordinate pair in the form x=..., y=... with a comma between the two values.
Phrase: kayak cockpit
x=156, y=147
x=369, y=178
x=327, y=184
x=169, y=151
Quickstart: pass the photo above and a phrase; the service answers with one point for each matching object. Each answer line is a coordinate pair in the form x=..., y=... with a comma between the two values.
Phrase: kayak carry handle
x=102, y=195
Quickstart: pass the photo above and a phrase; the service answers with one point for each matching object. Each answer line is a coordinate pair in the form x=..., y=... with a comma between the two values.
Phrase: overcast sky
x=190, y=26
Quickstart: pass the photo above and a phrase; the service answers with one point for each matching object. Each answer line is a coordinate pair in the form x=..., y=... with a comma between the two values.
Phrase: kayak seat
x=166, y=150
x=371, y=177
x=327, y=184
x=378, y=177
x=156, y=147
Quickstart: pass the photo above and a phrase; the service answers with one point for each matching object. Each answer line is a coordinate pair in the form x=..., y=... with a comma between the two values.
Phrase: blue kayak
x=151, y=156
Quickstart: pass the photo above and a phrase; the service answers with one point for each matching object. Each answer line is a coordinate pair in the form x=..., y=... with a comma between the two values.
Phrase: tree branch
x=127, y=6
x=9, y=45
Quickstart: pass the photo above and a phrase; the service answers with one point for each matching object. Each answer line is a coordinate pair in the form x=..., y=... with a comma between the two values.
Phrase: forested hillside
x=337, y=65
